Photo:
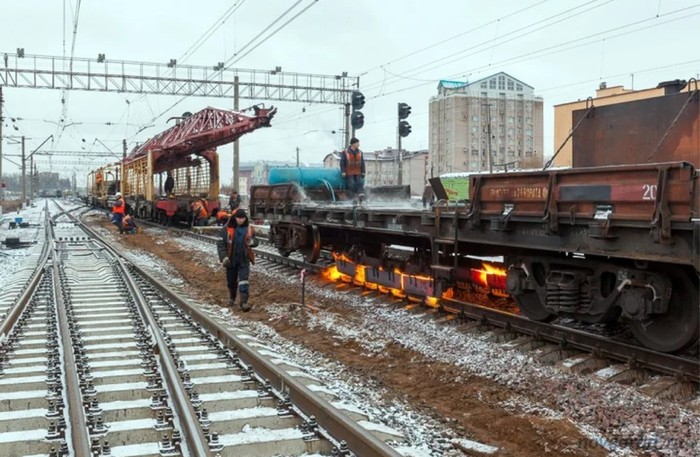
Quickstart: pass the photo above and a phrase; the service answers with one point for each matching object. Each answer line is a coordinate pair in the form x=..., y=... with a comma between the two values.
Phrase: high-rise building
x=499, y=114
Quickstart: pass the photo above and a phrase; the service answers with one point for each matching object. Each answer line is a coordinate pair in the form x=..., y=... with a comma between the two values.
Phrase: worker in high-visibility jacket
x=235, y=249
x=118, y=210
x=352, y=169
x=200, y=214
x=222, y=217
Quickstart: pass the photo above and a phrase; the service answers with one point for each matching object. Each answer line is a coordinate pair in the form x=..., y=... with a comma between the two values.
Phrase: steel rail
x=197, y=443
x=338, y=425
x=9, y=322
x=193, y=434
x=296, y=263
x=634, y=356
x=80, y=438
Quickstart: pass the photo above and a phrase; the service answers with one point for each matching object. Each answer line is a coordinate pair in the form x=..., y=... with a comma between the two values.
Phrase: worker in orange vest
x=200, y=214
x=235, y=249
x=118, y=210
x=222, y=217
x=352, y=168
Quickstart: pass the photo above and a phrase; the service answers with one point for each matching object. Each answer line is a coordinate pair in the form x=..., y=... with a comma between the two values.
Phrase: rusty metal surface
x=628, y=133
x=634, y=193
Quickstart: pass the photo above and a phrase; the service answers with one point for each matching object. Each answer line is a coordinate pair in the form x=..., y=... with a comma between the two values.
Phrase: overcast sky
x=399, y=48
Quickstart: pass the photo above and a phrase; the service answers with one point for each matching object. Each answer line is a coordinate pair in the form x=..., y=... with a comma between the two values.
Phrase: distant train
x=615, y=237
x=163, y=177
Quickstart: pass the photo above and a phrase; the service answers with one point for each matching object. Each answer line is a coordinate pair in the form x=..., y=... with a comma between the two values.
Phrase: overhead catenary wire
x=567, y=45
x=236, y=58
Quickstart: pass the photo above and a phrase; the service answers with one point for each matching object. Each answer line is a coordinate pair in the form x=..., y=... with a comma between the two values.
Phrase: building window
x=475, y=152
x=519, y=87
x=511, y=85
x=501, y=83
x=475, y=118
x=483, y=85
x=528, y=153
x=492, y=83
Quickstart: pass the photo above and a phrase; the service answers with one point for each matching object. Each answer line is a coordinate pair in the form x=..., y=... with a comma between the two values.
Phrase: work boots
x=244, y=302
x=232, y=297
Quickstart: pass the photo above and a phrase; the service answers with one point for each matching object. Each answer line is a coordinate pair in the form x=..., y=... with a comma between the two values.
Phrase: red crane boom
x=206, y=129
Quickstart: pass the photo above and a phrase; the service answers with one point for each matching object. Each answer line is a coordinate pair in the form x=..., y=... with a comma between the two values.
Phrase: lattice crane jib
x=202, y=131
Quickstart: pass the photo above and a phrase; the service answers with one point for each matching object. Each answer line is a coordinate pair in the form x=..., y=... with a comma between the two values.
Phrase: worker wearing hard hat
x=118, y=210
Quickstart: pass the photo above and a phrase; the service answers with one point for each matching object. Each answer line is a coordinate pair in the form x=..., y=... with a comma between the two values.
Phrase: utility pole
x=488, y=131
x=122, y=187
x=31, y=176
x=400, y=173
x=236, y=150
x=24, y=188
x=2, y=190
x=297, y=156
x=347, y=126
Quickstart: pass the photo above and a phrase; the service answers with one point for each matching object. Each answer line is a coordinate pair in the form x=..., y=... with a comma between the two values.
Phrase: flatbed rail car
x=595, y=244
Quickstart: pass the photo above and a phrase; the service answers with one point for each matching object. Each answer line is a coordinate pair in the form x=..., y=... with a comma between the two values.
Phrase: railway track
x=628, y=358
x=102, y=359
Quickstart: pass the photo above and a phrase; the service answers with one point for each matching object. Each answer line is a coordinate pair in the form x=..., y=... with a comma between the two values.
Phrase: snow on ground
x=616, y=416
x=425, y=437
x=12, y=260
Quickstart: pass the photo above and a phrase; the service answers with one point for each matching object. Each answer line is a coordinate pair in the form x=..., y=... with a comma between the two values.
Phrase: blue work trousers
x=237, y=276
x=117, y=220
x=355, y=184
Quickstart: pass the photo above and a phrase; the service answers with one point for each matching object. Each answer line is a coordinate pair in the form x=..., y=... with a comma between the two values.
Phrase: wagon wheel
x=311, y=253
x=679, y=327
x=532, y=307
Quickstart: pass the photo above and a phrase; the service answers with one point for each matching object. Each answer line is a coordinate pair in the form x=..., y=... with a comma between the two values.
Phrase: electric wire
x=235, y=57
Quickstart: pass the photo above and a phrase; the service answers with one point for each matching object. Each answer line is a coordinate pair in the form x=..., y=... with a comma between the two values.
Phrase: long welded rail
x=635, y=356
x=337, y=424
x=194, y=436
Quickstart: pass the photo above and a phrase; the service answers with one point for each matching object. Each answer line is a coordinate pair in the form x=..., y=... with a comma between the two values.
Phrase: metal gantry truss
x=49, y=72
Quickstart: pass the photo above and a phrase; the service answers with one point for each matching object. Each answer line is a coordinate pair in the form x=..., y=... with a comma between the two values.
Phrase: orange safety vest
x=353, y=165
x=200, y=208
x=221, y=216
x=119, y=208
x=229, y=243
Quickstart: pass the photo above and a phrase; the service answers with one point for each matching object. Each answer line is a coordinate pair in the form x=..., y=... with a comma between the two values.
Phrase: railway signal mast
x=357, y=119
x=403, y=129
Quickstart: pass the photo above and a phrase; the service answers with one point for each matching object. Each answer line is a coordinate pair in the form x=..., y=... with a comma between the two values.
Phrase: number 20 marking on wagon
x=649, y=191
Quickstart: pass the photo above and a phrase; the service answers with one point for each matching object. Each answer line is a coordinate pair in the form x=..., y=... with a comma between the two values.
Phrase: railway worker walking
x=118, y=211
x=235, y=249
x=352, y=168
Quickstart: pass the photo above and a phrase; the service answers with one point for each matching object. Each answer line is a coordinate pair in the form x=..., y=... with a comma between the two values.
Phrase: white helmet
x=118, y=194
